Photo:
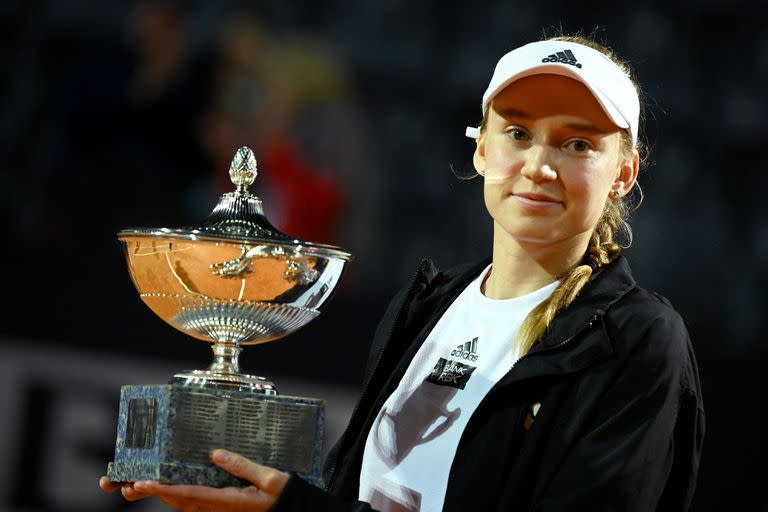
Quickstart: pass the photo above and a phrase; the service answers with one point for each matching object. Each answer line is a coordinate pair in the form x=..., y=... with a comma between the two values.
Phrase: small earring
x=616, y=193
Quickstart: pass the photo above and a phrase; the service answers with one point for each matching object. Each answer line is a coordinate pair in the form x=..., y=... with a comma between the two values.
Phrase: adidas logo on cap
x=564, y=57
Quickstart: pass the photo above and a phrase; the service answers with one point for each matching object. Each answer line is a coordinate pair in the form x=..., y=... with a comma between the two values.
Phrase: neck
x=520, y=267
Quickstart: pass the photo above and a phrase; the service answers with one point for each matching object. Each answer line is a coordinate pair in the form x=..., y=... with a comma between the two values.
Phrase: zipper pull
x=594, y=319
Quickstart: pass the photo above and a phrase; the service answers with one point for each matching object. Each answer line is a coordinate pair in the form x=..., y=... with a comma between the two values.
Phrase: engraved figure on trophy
x=233, y=281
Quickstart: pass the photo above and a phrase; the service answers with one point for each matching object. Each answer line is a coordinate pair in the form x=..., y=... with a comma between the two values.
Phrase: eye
x=518, y=134
x=579, y=145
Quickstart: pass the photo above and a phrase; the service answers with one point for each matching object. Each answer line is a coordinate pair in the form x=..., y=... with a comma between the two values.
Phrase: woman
x=541, y=379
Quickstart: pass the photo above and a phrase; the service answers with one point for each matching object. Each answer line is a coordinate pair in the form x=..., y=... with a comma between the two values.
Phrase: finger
x=130, y=493
x=186, y=497
x=180, y=492
x=107, y=485
x=268, y=479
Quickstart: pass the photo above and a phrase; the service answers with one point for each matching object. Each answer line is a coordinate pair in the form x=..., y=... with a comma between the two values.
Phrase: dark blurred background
x=118, y=114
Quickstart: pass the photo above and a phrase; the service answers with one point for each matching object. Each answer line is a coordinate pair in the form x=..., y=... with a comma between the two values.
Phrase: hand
x=127, y=490
x=268, y=484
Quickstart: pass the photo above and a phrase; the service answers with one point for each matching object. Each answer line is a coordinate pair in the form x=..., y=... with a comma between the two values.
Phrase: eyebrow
x=585, y=127
x=513, y=112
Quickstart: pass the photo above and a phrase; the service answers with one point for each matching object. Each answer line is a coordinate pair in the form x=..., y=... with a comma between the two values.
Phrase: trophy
x=233, y=281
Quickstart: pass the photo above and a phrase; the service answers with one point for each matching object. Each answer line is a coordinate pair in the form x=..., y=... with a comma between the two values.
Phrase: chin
x=534, y=240
x=539, y=235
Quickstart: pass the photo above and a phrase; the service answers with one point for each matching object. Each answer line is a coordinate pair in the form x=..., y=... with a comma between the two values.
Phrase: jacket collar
x=612, y=282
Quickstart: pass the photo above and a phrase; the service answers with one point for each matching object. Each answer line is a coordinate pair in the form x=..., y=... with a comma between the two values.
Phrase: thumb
x=267, y=479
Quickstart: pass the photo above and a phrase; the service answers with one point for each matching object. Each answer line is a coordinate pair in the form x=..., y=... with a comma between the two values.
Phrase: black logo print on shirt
x=450, y=373
x=466, y=350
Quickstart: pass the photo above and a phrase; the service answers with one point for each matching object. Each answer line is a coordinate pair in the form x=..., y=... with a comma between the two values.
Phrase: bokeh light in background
x=118, y=114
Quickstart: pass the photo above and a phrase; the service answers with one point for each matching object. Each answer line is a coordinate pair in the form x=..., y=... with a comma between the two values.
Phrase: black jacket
x=621, y=421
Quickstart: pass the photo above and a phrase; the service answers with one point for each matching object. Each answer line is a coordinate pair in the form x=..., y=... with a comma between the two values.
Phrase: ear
x=478, y=159
x=626, y=176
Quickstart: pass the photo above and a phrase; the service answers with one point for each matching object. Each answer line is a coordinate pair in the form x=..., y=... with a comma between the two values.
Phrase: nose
x=538, y=165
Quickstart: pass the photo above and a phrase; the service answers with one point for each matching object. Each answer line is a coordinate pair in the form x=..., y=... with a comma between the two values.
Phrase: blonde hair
x=602, y=247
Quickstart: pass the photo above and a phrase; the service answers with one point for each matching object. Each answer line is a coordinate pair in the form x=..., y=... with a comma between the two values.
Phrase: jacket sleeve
x=640, y=450
x=298, y=495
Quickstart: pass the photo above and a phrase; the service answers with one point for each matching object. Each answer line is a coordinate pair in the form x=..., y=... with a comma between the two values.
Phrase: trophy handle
x=298, y=267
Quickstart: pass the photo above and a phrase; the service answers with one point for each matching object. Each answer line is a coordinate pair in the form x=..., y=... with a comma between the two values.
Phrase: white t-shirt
x=412, y=442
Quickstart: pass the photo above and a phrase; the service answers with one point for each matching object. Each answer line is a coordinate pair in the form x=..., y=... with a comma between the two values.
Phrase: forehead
x=540, y=96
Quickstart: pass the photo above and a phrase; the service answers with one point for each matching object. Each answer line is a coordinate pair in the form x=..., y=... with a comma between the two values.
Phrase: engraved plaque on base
x=233, y=281
x=166, y=432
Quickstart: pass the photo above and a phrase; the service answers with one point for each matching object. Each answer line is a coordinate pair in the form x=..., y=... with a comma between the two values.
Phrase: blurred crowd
x=140, y=128
x=118, y=114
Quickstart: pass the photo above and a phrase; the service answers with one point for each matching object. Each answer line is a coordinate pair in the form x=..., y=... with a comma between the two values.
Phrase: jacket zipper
x=555, y=347
x=565, y=341
x=406, y=299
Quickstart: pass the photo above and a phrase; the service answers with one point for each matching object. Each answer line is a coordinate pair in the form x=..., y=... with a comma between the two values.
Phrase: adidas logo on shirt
x=466, y=350
x=564, y=57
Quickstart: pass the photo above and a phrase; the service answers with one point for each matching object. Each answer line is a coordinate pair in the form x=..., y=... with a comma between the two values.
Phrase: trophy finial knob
x=243, y=169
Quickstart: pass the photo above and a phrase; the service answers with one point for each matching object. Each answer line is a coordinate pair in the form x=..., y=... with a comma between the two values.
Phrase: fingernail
x=219, y=455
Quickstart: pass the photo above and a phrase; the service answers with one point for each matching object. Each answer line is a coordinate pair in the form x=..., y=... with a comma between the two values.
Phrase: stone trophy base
x=166, y=432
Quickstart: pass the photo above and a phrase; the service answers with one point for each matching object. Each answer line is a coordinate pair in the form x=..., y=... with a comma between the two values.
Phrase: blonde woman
x=543, y=378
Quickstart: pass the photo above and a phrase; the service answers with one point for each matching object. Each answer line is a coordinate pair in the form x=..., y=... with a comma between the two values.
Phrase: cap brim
x=568, y=71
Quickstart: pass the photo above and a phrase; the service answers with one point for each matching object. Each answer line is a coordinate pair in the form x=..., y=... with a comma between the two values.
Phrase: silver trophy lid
x=238, y=217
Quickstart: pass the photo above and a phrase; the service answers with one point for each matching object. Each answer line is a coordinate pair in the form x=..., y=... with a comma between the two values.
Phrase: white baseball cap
x=611, y=86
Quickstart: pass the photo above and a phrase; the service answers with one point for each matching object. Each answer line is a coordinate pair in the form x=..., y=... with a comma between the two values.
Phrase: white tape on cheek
x=498, y=174
x=472, y=132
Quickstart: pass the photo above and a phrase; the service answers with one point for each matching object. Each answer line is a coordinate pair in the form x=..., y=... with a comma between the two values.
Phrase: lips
x=534, y=198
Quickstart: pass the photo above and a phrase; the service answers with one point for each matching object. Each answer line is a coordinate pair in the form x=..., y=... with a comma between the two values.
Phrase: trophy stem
x=226, y=358
x=224, y=372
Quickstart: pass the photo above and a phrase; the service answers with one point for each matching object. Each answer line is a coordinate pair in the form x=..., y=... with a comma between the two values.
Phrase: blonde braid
x=601, y=250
